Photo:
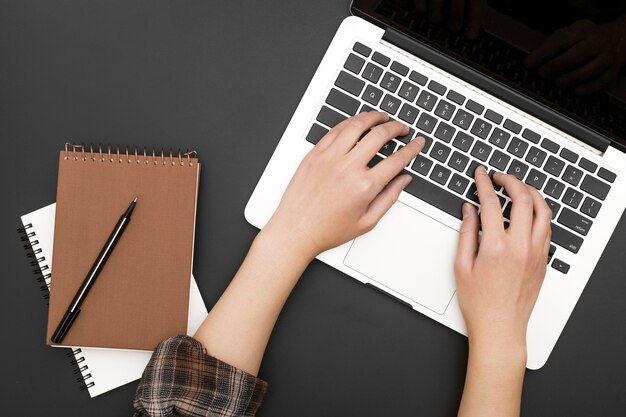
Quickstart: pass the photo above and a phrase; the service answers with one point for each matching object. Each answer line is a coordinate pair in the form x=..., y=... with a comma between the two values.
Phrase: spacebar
x=436, y=196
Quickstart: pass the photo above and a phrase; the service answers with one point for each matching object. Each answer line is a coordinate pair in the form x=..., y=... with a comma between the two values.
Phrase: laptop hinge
x=583, y=134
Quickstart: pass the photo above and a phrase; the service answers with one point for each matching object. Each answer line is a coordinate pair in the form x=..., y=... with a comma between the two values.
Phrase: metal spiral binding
x=111, y=154
x=79, y=369
x=33, y=252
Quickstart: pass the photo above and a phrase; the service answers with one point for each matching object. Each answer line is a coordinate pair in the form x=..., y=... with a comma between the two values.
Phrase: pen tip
x=135, y=200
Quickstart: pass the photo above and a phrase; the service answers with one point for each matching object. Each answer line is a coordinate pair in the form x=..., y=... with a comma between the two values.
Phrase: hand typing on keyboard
x=334, y=196
x=498, y=280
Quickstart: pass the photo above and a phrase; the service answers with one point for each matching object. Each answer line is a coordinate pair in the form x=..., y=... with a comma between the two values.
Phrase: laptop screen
x=567, y=54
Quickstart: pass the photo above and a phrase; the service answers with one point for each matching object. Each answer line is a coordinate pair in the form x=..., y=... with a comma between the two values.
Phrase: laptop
x=476, y=103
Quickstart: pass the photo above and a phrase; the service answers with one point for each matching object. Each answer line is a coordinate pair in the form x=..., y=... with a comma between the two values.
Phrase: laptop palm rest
x=411, y=254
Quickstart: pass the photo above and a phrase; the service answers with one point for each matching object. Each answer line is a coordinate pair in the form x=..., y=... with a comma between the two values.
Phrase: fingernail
x=466, y=210
x=406, y=181
x=481, y=169
x=420, y=140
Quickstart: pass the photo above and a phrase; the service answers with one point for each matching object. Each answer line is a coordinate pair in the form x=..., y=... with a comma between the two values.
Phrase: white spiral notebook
x=101, y=369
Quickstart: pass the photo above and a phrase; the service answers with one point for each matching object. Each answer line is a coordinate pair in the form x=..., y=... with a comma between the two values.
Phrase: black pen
x=74, y=307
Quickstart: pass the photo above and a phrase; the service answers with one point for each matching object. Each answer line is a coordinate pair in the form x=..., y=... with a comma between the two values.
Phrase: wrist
x=502, y=353
x=286, y=243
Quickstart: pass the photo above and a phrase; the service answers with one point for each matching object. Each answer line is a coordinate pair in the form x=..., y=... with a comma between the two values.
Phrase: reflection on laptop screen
x=563, y=53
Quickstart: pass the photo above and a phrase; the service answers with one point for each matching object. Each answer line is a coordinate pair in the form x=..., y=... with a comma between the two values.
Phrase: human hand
x=334, y=197
x=470, y=13
x=584, y=56
x=498, y=279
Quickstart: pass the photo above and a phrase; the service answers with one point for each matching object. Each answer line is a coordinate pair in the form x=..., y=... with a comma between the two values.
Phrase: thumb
x=468, y=239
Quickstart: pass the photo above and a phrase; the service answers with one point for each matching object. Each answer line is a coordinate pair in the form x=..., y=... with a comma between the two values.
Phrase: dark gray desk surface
x=224, y=78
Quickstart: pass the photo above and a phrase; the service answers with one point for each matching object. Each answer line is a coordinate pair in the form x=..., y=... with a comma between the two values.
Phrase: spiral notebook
x=141, y=296
x=98, y=370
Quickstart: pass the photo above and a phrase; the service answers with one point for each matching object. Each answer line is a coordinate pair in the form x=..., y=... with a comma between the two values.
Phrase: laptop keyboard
x=461, y=134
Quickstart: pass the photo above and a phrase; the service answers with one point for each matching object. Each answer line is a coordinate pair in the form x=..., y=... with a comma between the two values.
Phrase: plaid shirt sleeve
x=181, y=379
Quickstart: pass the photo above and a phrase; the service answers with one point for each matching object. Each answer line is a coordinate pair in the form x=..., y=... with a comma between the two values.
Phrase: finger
x=574, y=56
x=490, y=209
x=457, y=14
x=541, y=219
x=385, y=199
x=553, y=45
x=375, y=139
x=350, y=130
x=435, y=10
x=597, y=84
x=589, y=71
x=468, y=240
x=385, y=170
x=522, y=205
x=475, y=15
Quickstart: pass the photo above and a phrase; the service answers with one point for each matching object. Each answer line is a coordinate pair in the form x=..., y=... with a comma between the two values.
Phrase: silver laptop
x=477, y=104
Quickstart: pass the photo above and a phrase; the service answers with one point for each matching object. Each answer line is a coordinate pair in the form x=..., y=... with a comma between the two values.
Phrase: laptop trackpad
x=410, y=253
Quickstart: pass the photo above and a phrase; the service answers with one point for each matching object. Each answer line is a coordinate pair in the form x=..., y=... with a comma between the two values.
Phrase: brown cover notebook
x=141, y=296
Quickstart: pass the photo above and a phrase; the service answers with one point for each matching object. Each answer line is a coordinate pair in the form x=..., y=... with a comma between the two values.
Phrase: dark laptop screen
x=567, y=54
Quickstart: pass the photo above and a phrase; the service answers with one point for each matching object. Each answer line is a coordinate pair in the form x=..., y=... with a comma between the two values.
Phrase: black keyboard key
x=463, y=119
x=554, y=188
x=512, y=126
x=349, y=83
x=445, y=132
x=426, y=122
x=499, y=160
x=471, y=105
x=536, y=179
x=607, y=175
x=569, y=155
x=518, y=169
x=440, y=174
x=595, y=187
x=445, y=110
x=551, y=252
x=554, y=206
x=549, y=145
x=472, y=193
x=365, y=108
x=408, y=113
x=408, y=91
x=531, y=136
x=426, y=100
x=354, y=63
x=440, y=152
x=458, y=184
x=390, y=104
x=372, y=95
x=343, y=102
x=428, y=141
x=481, y=151
x=554, y=166
x=536, y=156
x=456, y=97
x=390, y=82
x=316, y=133
x=586, y=164
x=362, y=49
x=591, y=207
x=495, y=186
x=572, y=197
x=436, y=87
x=458, y=161
x=388, y=148
x=422, y=165
x=572, y=175
x=472, y=168
x=493, y=116
x=518, y=147
x=481, y=128
x=506, y=213
x=462, y=141
x=566, y=239
x=372, y=73
x=418, y=78
x=381, y=59
x=408, y=137
x=499, y=137
x=399, y=68
x=575, y=221
x=436, y=196
x=560, y=266
x=329, y=117
x=374, y=161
